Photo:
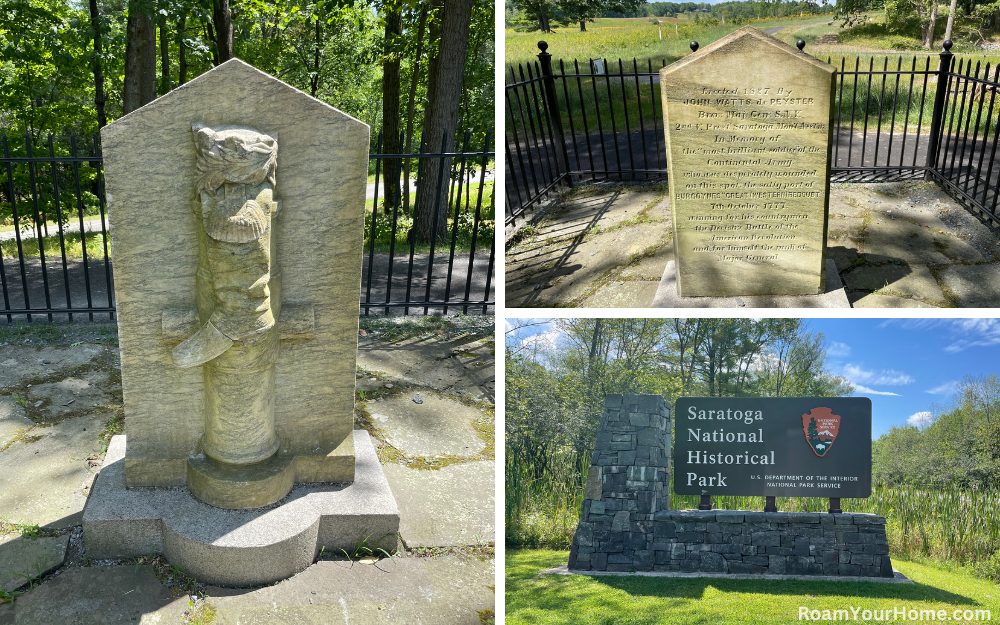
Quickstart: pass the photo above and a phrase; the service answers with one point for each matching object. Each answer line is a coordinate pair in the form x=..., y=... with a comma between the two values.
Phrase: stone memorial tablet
x=748, y=124
x=784, y=447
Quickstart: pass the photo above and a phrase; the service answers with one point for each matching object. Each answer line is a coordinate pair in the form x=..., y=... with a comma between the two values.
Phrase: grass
x=627, y=38
x=871, y=102
x=53, y=246
x=947, y=524
x=461, y=233
x=584, y=600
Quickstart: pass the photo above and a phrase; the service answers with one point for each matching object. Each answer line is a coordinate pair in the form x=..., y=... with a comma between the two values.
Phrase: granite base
x=240, y=547
x=834, y=297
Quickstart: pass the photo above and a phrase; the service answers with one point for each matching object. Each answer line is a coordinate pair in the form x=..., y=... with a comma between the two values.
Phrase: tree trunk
x=432, y=206
x=583, y=26
x=140, y=59
x=317, y=58
x=99, y=98
x=182, y=65
x=222, y=18
x=411, y=106
x=929, y=27
x=951, y=19
x=210, y=35
x=390, y=103
x=164, y=57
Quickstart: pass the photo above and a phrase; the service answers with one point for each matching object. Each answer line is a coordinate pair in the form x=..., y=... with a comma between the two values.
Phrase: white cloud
x=888, y=377
x=546, y=341
x=838, y=349
x=921, y=419
x=947, y=388
x=864, y=389
x=981, y=332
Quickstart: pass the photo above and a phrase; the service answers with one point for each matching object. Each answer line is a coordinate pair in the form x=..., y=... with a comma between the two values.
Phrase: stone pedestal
x=240, y=547
x=742, y=542
x=834, y=296
x=627, y=481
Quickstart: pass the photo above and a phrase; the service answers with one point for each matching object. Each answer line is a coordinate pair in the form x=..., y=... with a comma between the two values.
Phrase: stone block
x=776, y=565
x=597, y=508
x=766, y=539
x=801, y=547
x=612, y=401
x=620, y=524
x=643, y=560
x=803, y=517
x=741, y=567
x=239, y=547
x=799, y=565
x=713, y=563
x=650, y=436
x=626, y=458
x=728, y=516
x=593, y=489
x=690, y=537
x=599, y=561
x=852, y=570
x=862, y=559
x=651, y=404
x=638, y=419
x=756, y=560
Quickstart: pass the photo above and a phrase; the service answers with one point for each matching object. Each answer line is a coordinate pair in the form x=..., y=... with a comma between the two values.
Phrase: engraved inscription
x=748, y=163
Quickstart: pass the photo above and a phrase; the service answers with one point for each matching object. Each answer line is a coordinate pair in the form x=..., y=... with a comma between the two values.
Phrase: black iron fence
x=895, y=118
x=56, y=263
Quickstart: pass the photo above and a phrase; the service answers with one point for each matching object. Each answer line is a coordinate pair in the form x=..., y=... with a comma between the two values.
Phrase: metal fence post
x=939, y=97
x=550, y=99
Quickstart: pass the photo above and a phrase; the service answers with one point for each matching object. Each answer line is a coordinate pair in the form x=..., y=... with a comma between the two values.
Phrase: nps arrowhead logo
x=820, y=426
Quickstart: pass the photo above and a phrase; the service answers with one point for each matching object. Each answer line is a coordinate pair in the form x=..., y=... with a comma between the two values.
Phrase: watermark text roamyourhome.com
x=894, y=613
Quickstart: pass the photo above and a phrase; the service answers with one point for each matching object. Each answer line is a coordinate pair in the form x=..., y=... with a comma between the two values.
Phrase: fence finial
x=947, y=45
x=694, y=46
x=543, y=46
x=800, y=44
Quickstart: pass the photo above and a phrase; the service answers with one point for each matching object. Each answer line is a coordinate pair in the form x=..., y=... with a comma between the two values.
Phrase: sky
x=908, y=367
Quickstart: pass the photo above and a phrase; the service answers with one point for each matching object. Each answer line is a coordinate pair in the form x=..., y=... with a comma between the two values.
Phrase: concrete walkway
x=60, y=401
x=896, y=245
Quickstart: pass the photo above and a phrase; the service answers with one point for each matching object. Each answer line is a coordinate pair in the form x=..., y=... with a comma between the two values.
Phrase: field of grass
x=584, y=600
x=462, y=234
x=626, y=38
x=72, y=242
x=542, y=508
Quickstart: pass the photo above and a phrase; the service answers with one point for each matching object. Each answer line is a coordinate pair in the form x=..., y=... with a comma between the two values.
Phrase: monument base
x=240, y=547
x=851, y=545
x=834, y=297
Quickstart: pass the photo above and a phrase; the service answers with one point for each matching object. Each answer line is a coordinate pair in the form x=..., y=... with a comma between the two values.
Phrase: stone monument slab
x=304, y=173
x=236, y=206
x=748, y=125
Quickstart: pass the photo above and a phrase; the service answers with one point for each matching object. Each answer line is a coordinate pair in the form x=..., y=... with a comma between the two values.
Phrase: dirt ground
x=425, y=391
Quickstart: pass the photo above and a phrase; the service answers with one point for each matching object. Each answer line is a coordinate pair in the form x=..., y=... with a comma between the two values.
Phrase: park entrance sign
x=748, y=124
x=785, y=447
x=804, y=446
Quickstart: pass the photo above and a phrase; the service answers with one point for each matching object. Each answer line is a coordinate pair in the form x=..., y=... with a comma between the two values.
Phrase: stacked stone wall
x=626, y=524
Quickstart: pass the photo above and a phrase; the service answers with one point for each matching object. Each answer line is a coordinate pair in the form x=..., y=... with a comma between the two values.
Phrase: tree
x=390, y=100
x=97, y=64
x=441, y=120
x=583, y=11
x=951, y=19
x=140, y=56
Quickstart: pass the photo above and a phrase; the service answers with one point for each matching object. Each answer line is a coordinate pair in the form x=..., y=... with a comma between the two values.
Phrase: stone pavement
x=896, y=245
x=60, y=402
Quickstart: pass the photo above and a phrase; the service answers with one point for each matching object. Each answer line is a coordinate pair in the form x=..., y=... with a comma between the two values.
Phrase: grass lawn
x=581, y=600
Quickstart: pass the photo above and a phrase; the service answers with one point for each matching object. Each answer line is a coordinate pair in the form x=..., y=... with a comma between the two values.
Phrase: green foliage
x=959, y=447
x=555, y=395
x=331, y=49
